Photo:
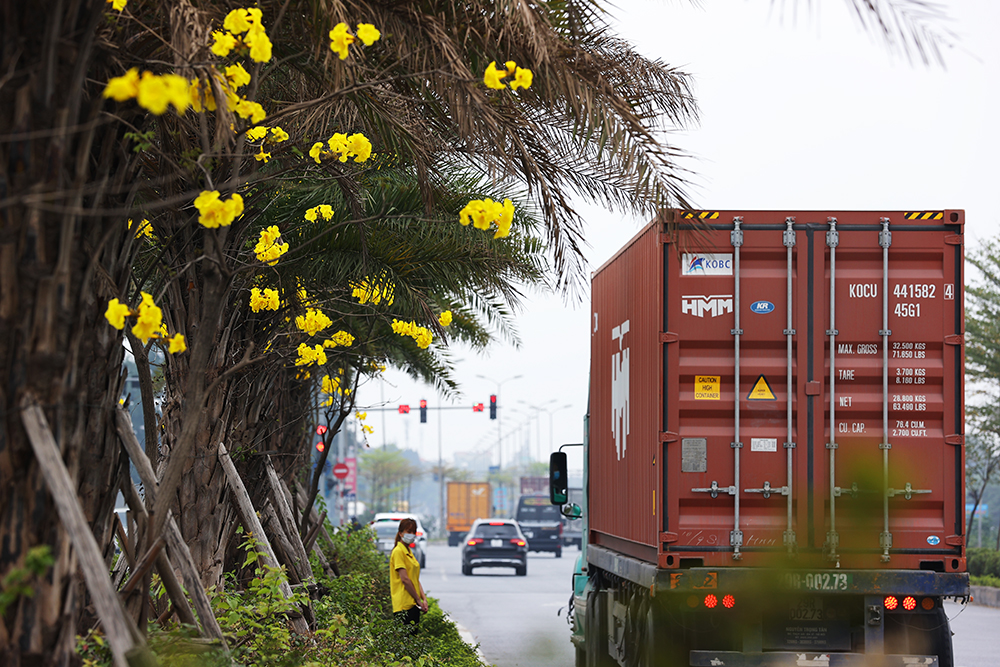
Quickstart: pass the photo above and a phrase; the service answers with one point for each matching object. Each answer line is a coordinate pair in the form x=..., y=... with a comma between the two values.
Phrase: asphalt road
x=514, y=618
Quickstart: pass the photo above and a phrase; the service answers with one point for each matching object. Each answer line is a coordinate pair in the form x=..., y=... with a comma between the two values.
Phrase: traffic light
x=423, y=411
x=493, y=406
x=477, y=407
x=404, y=409
x=320, y=446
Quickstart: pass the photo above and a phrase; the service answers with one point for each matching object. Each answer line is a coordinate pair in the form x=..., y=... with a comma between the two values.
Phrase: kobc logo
x=863, y=290
x=713, y=304
x=619, y=390
x=706, y=264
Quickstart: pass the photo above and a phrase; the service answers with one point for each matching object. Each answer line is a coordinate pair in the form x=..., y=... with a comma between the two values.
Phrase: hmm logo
x=706, y=264
x=619, y=390
x=712, y=305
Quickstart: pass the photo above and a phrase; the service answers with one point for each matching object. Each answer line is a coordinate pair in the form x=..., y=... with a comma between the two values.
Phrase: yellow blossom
x=444, y=319
x=215, y=212
x=223, y=44
x=195, y=93
x=153, y=94
x=177, y=344
x=149, y=319
x=367, y=429
x=313, y=321
x=259, y=43
x=492, y=77
x=252, y=110
x=118, y=5
x=420, y=334
x=310, y=355
x=340, y=338
x=330, y=385
x=256, y=133
x=263, y=300
x=482, y=212
x=361, y=415
x=237, y=76
x=340, y=39
x=278, y=135
x=237, y=21
x=359, y=146
x=116, y=314
x=368, y=34
x=125, y=87
x=144, y=229
x=505, y=219
x=366, y=292
x=522, y=79
x=268, y=249
x=262, y=156
x=326, y=211
x=316, y=150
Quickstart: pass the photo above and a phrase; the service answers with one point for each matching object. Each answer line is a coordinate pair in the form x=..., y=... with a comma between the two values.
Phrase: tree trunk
x=60, y=262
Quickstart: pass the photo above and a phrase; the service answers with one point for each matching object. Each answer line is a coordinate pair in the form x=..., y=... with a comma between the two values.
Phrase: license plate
x=496, y=543
x=386, y=544
x=809, y=609
x=819, y=581
x=528, y=533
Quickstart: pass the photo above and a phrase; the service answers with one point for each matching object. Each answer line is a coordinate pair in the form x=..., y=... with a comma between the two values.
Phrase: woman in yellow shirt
x=408, y=598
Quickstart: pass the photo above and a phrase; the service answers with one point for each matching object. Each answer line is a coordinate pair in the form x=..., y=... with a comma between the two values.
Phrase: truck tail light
x=927, y=603
x=728, y=601
x=711, y=601
x=909, y=603
x=891, y=602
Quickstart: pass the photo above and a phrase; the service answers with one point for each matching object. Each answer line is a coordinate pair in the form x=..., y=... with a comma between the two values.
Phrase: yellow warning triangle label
x=761, y=391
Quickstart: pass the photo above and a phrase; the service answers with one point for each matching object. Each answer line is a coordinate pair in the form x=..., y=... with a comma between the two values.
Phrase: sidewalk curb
x=467, y=637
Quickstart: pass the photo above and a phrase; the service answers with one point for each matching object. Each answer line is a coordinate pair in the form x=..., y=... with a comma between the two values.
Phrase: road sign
x=982, y=509
x=340, y=470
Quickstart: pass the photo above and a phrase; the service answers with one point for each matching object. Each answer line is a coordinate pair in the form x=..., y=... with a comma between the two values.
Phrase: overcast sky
x=797, y=112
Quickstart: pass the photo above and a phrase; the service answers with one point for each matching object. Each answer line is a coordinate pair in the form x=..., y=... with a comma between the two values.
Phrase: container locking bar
x=736, y=535
x=767, y=490
x=832, y=537
x=788, y=238
x=885, y=538
x=715, y=490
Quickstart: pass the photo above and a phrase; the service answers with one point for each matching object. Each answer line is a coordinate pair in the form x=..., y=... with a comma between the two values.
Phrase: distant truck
x=773, y=455
x=541, y=523
x=467, y=501
x=534, y=486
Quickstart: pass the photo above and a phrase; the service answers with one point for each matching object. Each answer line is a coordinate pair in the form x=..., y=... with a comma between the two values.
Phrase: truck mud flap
x=794, y=659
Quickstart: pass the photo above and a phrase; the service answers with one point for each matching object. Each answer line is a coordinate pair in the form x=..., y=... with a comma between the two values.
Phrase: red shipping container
x=771, y=384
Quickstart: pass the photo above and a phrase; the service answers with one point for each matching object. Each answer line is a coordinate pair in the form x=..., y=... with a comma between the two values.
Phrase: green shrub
x=983, y=562
x=985, y=580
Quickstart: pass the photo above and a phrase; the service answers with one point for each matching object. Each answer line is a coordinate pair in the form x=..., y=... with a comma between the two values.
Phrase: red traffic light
x=423, y=403
x=404, y=409
x=477, y=407
x=320, y=447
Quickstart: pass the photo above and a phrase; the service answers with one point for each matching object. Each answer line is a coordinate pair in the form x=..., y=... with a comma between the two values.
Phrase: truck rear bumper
x=794, y=659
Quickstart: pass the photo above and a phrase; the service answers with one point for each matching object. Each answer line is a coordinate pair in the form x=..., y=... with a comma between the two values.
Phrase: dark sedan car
x=495, y=543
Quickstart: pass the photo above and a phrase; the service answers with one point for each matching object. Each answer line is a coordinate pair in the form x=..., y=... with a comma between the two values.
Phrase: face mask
x=408, y=538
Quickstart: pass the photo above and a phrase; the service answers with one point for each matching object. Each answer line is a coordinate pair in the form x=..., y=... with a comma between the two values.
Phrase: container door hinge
x=955, y=540
x=954, y=339
x=907, y=492
x=954, y=239
x=668, y=436
x=955, y=439
x=852, y=492
x=668, y=537
x=715, y=489
x=669, y=337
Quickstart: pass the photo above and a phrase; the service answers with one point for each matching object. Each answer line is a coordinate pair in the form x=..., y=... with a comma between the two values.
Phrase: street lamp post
x=499, y=445
x=551, y=412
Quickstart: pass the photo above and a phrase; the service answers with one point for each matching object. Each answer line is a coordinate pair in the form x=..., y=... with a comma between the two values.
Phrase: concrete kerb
x=985, y=596
x=467, y=637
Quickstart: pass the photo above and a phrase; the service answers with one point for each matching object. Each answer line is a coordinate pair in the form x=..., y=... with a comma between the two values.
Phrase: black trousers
x=409, y=617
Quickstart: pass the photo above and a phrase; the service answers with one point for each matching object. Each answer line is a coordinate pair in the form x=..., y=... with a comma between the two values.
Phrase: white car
x=393, y=518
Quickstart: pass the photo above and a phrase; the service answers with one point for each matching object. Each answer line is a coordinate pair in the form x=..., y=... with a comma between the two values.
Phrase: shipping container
x=534, y=486
x=467, y=501
x=779, y=393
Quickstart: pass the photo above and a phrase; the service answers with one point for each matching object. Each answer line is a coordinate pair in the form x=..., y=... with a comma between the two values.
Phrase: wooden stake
x=127, y=646
x=175, y=542
x=249, y=516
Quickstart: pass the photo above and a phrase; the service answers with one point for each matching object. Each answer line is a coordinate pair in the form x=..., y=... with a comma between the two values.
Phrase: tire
x=423, y=561
x=521, y=571
x=596, y=632
x=559, y=552
x=466, y=570
x=581, y=658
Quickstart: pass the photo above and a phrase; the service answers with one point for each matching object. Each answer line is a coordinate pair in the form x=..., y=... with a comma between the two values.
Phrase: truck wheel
x=466, y=570
x=559, y=552
x=596, y=632
x=938, y=634
x=521, y=570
